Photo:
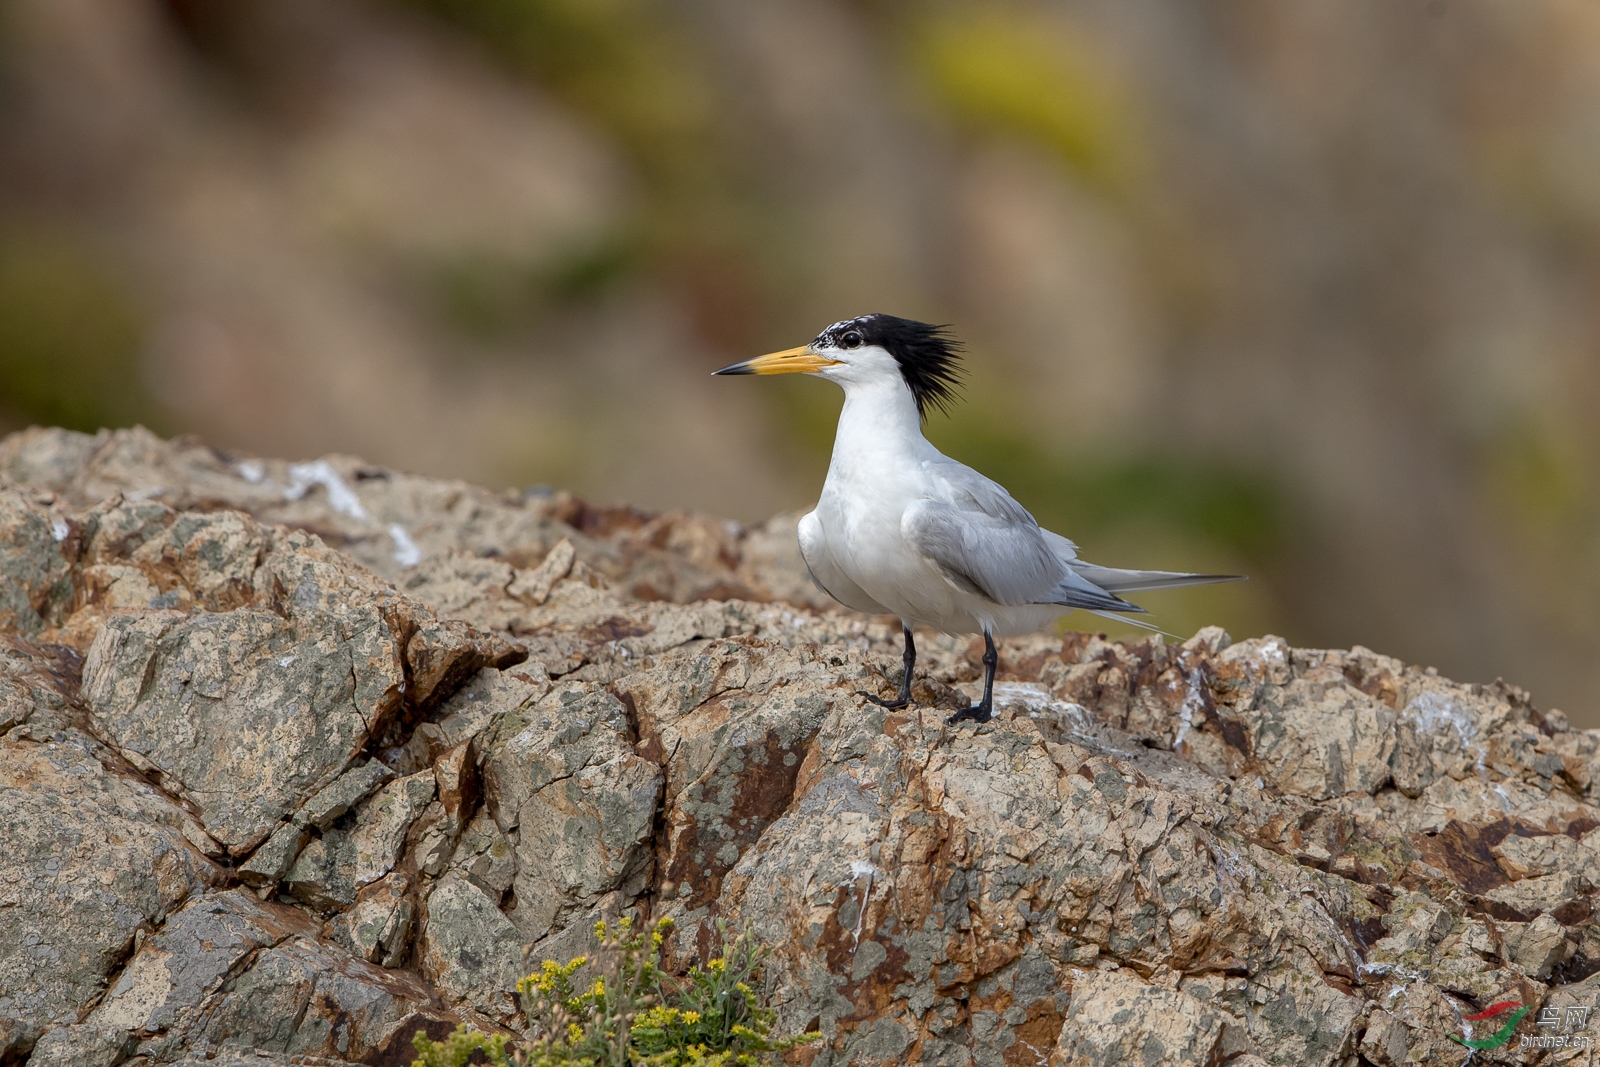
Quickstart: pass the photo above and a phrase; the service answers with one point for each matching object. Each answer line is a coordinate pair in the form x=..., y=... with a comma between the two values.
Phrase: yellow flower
x=691, y=1017
x=717, y=966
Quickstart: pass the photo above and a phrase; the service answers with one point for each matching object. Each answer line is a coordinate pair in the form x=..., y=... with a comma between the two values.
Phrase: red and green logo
x=1500, y=1036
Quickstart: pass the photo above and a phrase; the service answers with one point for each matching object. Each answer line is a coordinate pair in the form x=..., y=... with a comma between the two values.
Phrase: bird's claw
x=892, y=705
x=977, y=713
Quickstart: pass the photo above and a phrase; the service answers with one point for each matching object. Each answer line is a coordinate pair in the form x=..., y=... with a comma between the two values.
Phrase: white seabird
x=902, y=529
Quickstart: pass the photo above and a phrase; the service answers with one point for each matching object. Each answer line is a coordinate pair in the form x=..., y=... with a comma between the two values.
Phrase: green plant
x=633, y=1014
x=456, y=1050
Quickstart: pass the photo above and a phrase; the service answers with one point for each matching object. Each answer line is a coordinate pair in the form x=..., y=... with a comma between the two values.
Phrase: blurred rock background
x=1304, y=289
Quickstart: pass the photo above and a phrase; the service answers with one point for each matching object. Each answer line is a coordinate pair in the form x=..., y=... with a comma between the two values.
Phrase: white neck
x=879, y=427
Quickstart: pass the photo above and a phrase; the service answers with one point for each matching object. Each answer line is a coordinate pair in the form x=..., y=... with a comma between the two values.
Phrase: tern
x=902, y=529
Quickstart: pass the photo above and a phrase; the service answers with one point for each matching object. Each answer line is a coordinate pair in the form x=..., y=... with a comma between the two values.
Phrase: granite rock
x=231, y=972
x=439, y=533
x=262, y=670
x=1208, y=852
x=93, y=860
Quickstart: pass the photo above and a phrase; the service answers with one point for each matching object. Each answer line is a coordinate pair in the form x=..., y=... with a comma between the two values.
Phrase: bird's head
x=871, y=349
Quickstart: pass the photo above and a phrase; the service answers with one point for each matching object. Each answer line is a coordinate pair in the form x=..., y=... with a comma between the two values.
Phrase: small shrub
x=633, y=1016
x=456, y=1050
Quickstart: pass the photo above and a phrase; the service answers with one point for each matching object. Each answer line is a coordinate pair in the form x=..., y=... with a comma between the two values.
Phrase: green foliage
x=1006, y=68
x=623, y=63
x=1537, y=470
x=69, y=336
x=715, y=1017
x=457, y=1049
x=491, y=298
x=633, y=1014
x=631, y=69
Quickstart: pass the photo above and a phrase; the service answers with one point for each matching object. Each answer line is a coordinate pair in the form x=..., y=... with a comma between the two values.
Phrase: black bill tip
x=735, y=368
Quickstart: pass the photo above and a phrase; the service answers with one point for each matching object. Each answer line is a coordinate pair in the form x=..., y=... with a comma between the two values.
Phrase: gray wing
x=986, y=543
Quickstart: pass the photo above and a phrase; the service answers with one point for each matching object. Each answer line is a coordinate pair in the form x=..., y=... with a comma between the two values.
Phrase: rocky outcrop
x=279, y=782
x=450, y=539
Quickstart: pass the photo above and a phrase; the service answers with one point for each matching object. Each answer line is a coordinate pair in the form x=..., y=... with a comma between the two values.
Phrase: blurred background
x=1305, y=289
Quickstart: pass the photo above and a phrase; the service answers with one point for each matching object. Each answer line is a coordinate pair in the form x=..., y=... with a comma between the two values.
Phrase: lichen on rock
x=268, y=804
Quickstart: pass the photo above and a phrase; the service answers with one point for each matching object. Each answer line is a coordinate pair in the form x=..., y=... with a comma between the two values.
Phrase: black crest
x=929, y=357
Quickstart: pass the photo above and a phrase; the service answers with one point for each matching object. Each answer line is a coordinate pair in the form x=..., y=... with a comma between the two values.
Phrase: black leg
x=910, y=662
x=984, y=710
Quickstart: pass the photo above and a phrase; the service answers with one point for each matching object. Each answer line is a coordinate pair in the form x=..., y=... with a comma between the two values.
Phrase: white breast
x=826, y=572
x=860, y=516
x=855, y=543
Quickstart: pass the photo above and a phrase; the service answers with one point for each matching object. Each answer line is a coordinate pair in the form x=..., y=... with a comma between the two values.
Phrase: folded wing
x=984, y=542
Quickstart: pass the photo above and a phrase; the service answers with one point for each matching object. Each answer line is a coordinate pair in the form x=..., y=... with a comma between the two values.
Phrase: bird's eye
x=850, y=340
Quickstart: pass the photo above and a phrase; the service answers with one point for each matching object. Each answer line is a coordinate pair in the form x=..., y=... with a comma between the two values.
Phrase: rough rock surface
x=264, y=806
x=432, y=532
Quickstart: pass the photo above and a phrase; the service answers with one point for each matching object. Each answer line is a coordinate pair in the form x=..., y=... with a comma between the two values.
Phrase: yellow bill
x=802, y=360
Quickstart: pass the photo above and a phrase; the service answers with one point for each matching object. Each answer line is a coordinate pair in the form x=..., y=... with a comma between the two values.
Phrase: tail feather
x=1076, y=591
x=1140, y=623
x=1115, y=580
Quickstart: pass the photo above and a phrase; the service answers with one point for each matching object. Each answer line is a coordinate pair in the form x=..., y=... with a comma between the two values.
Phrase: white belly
x=864, y=551
x=855, y=539
x=823, y=564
